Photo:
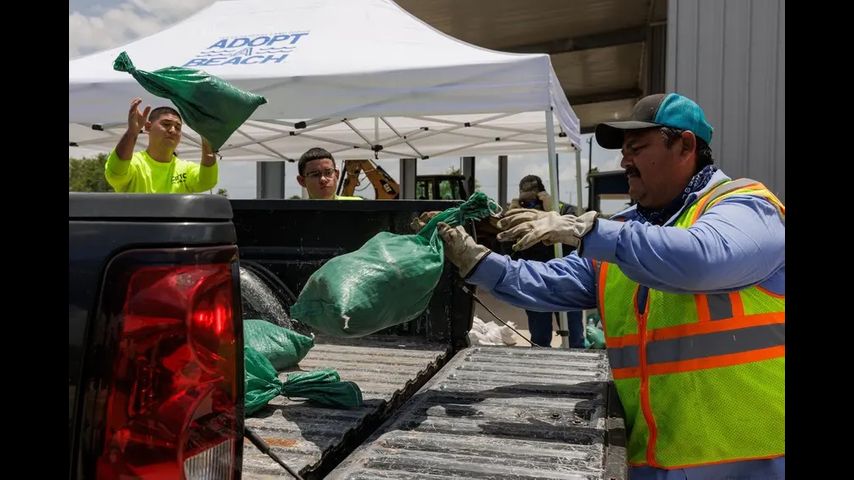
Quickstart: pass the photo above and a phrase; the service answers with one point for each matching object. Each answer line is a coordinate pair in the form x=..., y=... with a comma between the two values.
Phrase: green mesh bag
x=323, y=387
x=388, y=281
x=283, y=348
x=209, y=105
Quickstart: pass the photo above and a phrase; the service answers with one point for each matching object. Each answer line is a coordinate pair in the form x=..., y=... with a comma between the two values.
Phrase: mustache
x=632, y=171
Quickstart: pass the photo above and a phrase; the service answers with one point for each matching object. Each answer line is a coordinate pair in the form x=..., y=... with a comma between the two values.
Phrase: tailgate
x=311, y=440
x=502, y=412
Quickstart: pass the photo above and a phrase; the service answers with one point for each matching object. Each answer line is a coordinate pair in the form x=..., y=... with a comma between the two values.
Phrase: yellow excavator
x=427, y=187
x=385, y=186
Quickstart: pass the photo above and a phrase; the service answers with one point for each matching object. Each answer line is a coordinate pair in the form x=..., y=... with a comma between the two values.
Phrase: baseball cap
x=659, y=110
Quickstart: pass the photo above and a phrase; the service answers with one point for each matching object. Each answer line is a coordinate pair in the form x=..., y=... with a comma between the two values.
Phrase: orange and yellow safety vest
x=700, y=376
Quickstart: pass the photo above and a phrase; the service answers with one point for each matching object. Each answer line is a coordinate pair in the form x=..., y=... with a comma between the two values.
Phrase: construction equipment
x=440, y=187
x=612, y=186
x=385, y=186
x=427, y=187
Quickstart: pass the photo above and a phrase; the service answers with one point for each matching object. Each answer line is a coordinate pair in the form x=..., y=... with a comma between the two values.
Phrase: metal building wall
x=729, y=56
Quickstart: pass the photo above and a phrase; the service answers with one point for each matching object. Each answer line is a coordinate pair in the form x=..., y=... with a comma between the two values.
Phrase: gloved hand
x=418, y=223
x=488, y=224
x=460, y=248
x=549, y=228
x=521, y=215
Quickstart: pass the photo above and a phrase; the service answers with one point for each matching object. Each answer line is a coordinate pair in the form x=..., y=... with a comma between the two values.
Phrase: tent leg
x=563, y=321
x=270, y=180
x=502, y=181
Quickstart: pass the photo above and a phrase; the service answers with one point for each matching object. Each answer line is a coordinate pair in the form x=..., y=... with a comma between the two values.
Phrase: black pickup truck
x=159, y=286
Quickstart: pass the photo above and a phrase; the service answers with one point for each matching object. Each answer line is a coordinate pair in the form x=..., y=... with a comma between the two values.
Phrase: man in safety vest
x=690, y=284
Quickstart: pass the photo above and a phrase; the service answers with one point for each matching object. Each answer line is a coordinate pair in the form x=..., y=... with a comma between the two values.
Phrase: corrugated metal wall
x=729, y=56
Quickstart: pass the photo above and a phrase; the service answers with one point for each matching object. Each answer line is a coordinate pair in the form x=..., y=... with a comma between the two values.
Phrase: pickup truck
x=159, y=286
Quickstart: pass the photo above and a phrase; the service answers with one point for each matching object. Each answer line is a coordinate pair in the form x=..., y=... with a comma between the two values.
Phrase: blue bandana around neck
x=661, y=215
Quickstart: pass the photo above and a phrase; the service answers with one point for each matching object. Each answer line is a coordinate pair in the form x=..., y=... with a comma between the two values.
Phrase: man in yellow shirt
x=157, y=169
x=319, y=176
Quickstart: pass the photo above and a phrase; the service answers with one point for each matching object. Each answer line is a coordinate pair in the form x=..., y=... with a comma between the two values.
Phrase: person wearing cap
x=690, y=284
x=533, y=195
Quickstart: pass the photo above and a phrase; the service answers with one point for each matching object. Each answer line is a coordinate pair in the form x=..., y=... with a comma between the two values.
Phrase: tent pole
x=563, y=320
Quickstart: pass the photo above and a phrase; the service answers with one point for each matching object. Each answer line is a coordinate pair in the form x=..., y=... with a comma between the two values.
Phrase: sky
x=95, y=25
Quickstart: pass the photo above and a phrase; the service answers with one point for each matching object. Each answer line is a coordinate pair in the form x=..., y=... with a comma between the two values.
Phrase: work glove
x=530, y=227
x=522, y=215
x=460, y=248
x=488, y=225
x=418, y=223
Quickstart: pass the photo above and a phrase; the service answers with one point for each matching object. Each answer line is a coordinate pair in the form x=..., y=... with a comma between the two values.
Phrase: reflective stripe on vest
x=735, y=187
x=701, y=376
x=695, y=347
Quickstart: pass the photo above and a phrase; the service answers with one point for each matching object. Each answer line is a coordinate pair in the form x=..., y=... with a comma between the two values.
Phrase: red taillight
x=173, y=399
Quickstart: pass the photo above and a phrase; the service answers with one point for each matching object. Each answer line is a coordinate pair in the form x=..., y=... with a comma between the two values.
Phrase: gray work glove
x=488, y=225
x=460, y=248
x=522, y=215
x=418, y=223
x=547, y=227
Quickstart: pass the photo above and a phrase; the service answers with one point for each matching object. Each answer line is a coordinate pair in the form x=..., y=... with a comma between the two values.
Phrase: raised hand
x=136, y=119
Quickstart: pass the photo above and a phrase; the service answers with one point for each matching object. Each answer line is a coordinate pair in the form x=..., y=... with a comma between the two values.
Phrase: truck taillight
x=173, y=410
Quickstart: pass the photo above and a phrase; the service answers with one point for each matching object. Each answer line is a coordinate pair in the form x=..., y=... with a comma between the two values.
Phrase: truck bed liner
x=501, y=413
x=310, y=439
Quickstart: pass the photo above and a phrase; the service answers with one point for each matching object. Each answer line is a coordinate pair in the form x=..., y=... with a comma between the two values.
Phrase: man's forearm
x=124, y=149
x=208, y=155
x=562, y=284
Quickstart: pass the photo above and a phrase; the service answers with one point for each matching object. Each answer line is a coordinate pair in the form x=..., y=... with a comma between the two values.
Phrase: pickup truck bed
x=388, y=369
x=499, y=413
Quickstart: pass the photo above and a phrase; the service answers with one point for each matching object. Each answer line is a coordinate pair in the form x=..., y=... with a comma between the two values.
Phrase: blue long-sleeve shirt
x=737, y=243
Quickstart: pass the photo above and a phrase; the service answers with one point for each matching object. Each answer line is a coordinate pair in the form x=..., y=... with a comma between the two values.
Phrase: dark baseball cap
x=659, y=110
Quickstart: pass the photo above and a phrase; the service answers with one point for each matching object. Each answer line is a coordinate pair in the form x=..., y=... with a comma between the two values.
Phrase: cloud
x=125, y=23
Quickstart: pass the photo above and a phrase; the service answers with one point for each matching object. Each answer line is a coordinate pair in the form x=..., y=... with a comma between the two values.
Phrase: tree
x=87, y=175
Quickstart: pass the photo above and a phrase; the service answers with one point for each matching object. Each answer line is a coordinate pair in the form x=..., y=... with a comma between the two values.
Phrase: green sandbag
x=261, y=380
x=283, y=348
x=211, y=106
x=388, y=281
x=323, y=387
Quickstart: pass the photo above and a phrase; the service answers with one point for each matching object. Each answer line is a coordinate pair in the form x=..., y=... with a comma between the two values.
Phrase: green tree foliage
x=87, y=175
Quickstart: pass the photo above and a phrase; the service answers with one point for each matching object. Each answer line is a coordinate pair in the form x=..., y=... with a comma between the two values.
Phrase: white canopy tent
x=359, y=77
